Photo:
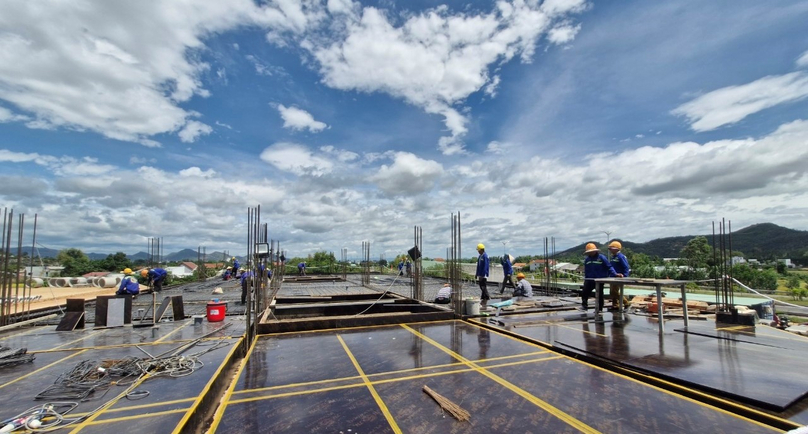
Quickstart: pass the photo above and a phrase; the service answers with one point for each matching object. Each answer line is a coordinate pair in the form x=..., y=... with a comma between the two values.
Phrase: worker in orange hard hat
x=156, y=277
x=621, y=267
x=596, y=266
x=523, y=288
x=482, y=273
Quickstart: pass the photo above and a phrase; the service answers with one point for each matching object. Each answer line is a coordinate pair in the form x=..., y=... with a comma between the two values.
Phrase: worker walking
x=507, y=270
x=155, y=276
x=482, y=273
x=523, y=287
x=129, y=284
x=596, y=266
x=621, y=267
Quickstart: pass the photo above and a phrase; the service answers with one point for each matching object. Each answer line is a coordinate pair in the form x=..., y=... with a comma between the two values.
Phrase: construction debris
x=453, y=409
x=13, y=357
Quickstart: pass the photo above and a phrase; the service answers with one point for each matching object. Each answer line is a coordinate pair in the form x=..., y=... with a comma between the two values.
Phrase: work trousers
x=507, y=278
x=483, y=288
x=586, y=293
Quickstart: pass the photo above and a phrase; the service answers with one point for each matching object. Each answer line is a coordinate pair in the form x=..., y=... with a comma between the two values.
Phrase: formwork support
x=455, y=273
x=418, y=276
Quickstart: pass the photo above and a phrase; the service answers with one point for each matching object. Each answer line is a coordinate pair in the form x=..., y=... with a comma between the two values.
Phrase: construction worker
x=401, y=267
x=301, y=269
x=155, y=276
x=129, y=284
x=621, y=267
x=596, y=266
x=507, y=270
x=408, y=267
x=482, y=273
x=522, y=288
x=246, y=283
x=444, y=294
x=234, y=273
x=227, y=273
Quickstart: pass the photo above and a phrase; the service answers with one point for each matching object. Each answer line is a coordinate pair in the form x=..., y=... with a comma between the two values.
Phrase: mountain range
x=760, y=241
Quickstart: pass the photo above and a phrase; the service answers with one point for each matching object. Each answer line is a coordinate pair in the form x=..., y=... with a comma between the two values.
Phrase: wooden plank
x=162, y=309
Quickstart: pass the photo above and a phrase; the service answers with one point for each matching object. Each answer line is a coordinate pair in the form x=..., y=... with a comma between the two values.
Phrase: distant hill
x=760, y=241
x=182, y=255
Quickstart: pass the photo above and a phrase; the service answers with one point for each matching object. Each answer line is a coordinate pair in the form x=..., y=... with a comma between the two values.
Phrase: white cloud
x=193, y=130
x=197, y=172
x=298, y=119
x=7, y=115
x=435, y=60
x=297, y=159
x=731, y=104
x=408, y=175
x=340, y=154
x=563, y=33
x=121, y=70
x=802, y=61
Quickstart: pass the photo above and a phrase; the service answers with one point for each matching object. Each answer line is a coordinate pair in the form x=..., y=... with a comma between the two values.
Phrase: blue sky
x=354, y=121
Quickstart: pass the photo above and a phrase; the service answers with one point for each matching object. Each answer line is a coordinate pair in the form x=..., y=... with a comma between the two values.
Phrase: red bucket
x=216, y=311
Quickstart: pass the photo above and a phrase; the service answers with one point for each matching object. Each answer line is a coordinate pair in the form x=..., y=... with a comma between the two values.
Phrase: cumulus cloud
x=7, y=116
x=193, y=130
x=732, y=104
x=298, y=119
x=118, y=69
x=435, y=59
x=408, y=175
x=296, y=159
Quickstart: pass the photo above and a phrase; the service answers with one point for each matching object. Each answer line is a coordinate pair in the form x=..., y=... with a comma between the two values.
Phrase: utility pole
x=504, y=249
x=607, y=235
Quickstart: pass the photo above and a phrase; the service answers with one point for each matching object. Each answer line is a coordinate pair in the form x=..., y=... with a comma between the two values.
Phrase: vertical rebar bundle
x=13, y=275
x=366, y=263
x=417, y=267
x=155, y=252
x=455, y=273
x=343, y=260
x=722, y=259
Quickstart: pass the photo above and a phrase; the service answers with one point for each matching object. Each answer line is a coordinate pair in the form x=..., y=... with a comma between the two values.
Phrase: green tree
x=116, y=262
x=793, y=284
x=696, y=254
x=76, y=263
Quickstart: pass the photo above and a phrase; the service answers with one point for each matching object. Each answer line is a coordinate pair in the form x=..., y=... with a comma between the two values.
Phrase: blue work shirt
x=507, y=268
x=482, y=265
x=156, y=274
x=620, y=264
x=598, y=267
x=130, y=285
x=245, y=276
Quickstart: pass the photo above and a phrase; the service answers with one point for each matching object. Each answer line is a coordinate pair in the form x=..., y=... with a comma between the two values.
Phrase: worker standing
x=234, y=273
x=621, y=267
x=155, y=276
x=596, y=266
x=246, y=283
x=129, y=284
x=523, y=287
x=408, y=267
x=401, y=268
x=507, y=271
x=482, y=273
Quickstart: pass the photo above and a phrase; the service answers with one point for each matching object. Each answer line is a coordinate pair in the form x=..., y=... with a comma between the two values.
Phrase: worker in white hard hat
x=482, y=273
x=621, y=267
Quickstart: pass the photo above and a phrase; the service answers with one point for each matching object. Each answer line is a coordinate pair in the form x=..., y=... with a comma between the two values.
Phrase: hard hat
x=233, y=258
x=229, y=268
x=615, y=245
x=144, y=272
x=520, y=276
x=481, y=246
x=591, y=247
x=127, y=271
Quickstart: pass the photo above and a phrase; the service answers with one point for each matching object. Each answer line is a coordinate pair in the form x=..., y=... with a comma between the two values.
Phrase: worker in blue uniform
x=596, y=266
x=156, y=277
x=246, y=283
x=129, y=284
x=234, y=273
x=482, y=274
x=621, y=267
x=507, y=271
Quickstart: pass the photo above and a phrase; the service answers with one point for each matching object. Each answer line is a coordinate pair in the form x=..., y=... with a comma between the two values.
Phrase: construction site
x=371, y=352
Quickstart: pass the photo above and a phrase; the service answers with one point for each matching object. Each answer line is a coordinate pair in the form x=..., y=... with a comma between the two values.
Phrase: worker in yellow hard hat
x=523, y=288
x=596, y=266
x=127, y=271
x=129, y=284
x=621, y=267
x=482, y=273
